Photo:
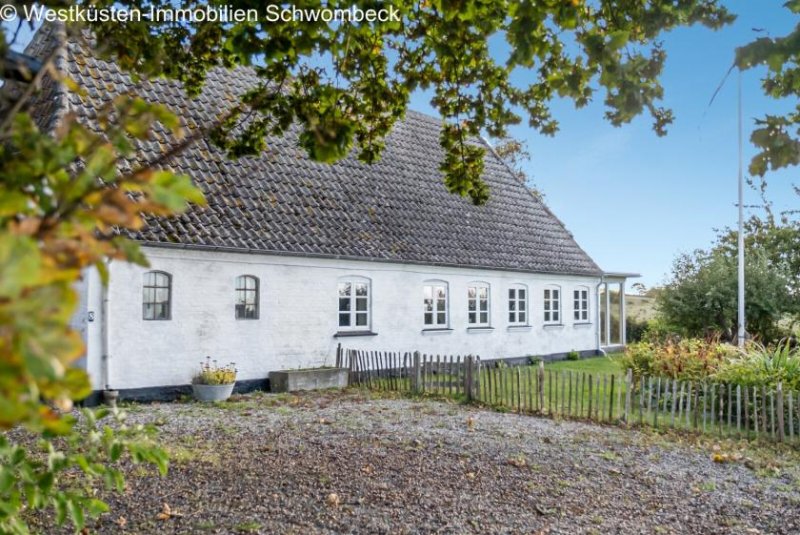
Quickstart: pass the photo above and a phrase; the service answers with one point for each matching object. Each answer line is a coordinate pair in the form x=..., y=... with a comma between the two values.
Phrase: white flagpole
x=741, y=330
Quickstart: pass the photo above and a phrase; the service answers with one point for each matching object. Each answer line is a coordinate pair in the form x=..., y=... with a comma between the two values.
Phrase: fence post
x=468, y=390
x=628, y=388
x=541, y=386
x=339, y=355
x=780, y=412
x=416, y=371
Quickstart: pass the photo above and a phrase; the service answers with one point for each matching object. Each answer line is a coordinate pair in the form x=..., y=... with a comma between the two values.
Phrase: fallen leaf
x=333, y=500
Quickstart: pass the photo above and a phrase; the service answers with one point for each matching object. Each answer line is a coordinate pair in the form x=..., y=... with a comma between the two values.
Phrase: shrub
x=212, y=374
x=573, y=355
x=689, y=359
x=763, y=365
x=635, y=330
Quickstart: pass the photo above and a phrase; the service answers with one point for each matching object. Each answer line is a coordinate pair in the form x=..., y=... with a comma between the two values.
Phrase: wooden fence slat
x=658, y=398
x=590, y=397
x=739, y=411
x=540, y=378
x=772, y=414
x=530, y=388
x=498, y=394
x=568, y=393
x=611, y=400
x=779, y=400
x=628, y=387
x=705, y=397
x=755, y=410
x=764, y=409
x=583, y=389
x=713, y=389
x=791, y=415
x=641, y=400
x=721, y=419
x=519, y=390
x=730, y=408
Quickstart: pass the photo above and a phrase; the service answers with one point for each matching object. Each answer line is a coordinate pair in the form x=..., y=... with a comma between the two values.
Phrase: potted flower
x=213, y=382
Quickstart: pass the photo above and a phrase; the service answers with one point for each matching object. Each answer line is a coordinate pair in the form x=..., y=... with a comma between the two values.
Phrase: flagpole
x=741, y=330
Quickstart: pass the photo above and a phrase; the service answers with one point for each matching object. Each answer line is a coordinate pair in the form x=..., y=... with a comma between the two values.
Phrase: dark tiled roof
x=282, y=202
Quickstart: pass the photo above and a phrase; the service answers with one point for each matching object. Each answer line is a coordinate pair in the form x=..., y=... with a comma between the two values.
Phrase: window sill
x=345, y=334
x=482, y=329
x=437, y=331
x=553, y=325
x=582, y=324
x=519, y=328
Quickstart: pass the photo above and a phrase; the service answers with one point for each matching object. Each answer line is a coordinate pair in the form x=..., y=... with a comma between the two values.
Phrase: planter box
x=212, y=392
x=310, y=379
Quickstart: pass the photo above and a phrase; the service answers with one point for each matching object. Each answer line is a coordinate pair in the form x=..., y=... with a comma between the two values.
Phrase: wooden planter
x=310, y=379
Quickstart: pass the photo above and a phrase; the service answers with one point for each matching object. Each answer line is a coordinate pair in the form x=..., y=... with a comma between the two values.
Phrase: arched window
x=246, y=297
x=157, y=296
x=552, y=304
x=354, y=304
x=434, y=295
x=580, y=301
x=518, y=304
x=478, y=304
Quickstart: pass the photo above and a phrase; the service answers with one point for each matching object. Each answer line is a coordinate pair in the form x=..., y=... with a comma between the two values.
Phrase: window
x=581, y=303
x=478, y=305
x=246, y=297
x=435, y=305
x=354, y=304
x=518, y=305
x=156, y=295
x=552, y=305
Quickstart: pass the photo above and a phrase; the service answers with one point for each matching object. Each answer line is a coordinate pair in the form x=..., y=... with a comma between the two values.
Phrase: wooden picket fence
x=410, y=372
x=708, y=407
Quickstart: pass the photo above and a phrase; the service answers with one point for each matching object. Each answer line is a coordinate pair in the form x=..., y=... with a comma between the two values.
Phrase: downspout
x=600, y=349
x=109, y=396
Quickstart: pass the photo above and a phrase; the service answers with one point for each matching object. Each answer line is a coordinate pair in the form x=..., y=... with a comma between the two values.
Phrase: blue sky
x=634, y=200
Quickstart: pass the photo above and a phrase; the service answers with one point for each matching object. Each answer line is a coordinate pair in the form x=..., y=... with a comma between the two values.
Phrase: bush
x=573, y=355
x=763, y=365
x=635, y=330
x=689, y=359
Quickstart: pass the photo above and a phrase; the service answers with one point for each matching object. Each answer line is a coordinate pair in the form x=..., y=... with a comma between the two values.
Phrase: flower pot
x=212, y=392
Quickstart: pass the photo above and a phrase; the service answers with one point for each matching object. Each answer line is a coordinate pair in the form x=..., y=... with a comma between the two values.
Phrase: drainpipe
x=109, y=395
x=597, y=311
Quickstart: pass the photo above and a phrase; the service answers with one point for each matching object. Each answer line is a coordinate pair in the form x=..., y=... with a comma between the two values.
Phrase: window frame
x=155, y=287
x=435, y=311
x=556, y=317
x=581, y=305
x=478, y=300
x=516, y=300
x=256, y=292
x=352, y=312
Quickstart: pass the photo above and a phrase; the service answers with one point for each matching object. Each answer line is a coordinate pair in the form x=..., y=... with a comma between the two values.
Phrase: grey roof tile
x=282, y=202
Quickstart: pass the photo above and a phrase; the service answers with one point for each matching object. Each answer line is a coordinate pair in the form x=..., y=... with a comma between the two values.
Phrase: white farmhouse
x=292, y=257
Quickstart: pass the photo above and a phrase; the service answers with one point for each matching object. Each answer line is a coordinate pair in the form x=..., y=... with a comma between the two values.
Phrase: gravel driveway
x=343, y=463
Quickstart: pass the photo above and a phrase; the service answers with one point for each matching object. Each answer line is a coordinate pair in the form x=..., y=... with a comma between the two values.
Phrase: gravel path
x=342, y=463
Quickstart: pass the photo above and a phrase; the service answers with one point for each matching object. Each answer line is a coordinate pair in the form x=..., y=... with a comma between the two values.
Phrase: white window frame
x=150, y=290
x=437, y=308
x=514, y=301
x=551, y=305
x=476, y=301
x=352, y=311
x=240, y=285
x=580, y=304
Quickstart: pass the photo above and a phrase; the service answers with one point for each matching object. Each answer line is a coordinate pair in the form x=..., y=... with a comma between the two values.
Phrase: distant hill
x=640, y=307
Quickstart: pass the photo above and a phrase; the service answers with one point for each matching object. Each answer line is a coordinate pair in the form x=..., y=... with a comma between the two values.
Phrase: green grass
x=609, y=364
